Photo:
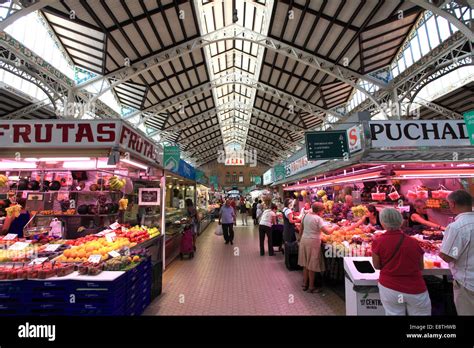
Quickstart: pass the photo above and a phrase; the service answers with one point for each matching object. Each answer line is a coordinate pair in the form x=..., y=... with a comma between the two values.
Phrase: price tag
x=124, y=229
x=114, y=226
x=113, y=253
x=10, y=236
x=52, y=247
x=111, y=237
x=38, y=261
x=18, y=246
x=95, y=258
x=103, y=233
x=126, y=251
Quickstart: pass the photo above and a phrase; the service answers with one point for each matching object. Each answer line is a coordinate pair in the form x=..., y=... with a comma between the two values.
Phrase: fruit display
x=117, y=263
x=116, y=184
x=359, y=211
x=89, y=268
x=3, y=180
x=328, y=205
x=13, y=210
x=434, y=203
x=432, y=235
x=100, y=246
x=42, y=271
x=429, y=246
x=321, y=193
x=82, y=240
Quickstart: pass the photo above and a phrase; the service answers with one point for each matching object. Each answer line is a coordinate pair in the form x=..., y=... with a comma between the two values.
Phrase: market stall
x=93, y=197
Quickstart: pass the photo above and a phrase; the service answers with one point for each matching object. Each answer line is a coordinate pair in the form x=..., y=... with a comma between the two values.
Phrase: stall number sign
x=52, y=247
x=95, y=258
x=326, y=145
x=387, y=134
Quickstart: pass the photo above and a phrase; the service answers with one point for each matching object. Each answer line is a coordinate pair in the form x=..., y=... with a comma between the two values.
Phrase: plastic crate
x=47, y=285
x=83, y=299
x=58, y=296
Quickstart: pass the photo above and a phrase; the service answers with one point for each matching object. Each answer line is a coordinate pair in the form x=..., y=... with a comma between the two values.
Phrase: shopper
x=243, y=212
x=289, y=229
x=305, y=210
x=254, y=212
x=371, y=219
x=458, y=250
x=400, y=261
x=267, y=220
x=193, y=219
x=419, y=218
x=309, y=253
x=227, y=218
x=14, y=224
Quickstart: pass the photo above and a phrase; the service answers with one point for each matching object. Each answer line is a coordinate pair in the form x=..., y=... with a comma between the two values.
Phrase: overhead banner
x=67, y=134
x=258, y=180
x=186, y=170
x=213, y=181
x=469, y=120
x=326, y=145
x=418, y=133
x=171, y=158
x=280, y=172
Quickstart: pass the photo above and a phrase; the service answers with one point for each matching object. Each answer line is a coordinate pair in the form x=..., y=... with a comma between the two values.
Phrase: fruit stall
x=93, y=194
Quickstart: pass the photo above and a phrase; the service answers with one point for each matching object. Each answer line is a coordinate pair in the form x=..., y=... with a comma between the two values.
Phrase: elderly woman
x=400, y=261
x=309, y=254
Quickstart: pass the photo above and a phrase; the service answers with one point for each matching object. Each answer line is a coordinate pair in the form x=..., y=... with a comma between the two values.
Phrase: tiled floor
x=236, y=280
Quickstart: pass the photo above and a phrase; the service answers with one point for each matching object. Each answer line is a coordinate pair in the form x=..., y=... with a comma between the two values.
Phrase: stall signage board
x=397, y=134
x=469, y=120
x=67, y=134
x=186, y=170
x=280, y=172
x=214, y=181
x=354, y=138
x=268, y=177
x=326, y=145
x=171, y=158
x=149, y=196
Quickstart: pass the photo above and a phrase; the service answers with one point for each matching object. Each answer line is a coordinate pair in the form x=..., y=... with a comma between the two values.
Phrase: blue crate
x=46, y=309
x=99, y=299
x=47, y=285
x=9, y=286
x=58, y=296
x=116, y=311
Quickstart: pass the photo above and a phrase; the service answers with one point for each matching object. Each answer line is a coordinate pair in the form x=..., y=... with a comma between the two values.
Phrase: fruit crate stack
x=11, y=298
x=139, y=288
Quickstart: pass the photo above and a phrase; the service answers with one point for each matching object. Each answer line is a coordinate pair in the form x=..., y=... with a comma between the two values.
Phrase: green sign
x=258, y=180
x=469, y=119
x=280, y=172
x=326, y=145
x=200, y=178
x=171, y=158
x=214, y=182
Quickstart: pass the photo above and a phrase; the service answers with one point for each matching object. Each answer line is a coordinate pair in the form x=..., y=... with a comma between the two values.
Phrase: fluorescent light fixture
x=17, y=165
x=103, y=164
x=79, y=165
x=135, y=164
x=56, y=159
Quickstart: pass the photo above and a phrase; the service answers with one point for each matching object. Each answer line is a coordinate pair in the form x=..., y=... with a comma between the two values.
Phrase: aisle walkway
x=236, y=280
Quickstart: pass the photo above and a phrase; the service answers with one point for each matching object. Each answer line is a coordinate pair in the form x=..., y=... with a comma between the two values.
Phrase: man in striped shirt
x=458, y=250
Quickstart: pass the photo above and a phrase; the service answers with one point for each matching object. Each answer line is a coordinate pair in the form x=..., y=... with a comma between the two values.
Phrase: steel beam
x=16, y=12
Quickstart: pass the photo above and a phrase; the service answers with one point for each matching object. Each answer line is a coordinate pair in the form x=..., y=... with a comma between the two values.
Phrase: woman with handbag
x=400, y=261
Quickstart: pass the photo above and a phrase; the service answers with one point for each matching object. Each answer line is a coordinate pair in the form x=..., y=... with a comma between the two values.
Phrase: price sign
x=95, y=258
x=126, y=251
x=52, y=247
x=18, y=246
x=114, y=226
x=10, y=236
x=104, y=232
x=38, y=261
x=111, y=237
x=113, y=253
x=124, y=229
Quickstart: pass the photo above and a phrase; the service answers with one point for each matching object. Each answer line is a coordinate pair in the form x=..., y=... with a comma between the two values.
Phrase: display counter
x=361, y=279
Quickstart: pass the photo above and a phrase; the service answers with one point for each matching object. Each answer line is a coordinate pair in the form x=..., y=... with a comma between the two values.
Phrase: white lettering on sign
x=418, y=133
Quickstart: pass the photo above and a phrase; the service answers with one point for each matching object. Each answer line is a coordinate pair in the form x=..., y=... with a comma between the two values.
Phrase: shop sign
x=354, y=138
x=369, y=304
x=258, y=180
x=149, y=196
x=280, y=172
x=200, y=177
x=469, y=120
x=186, y=170
x=326, y=145
x=387, y=134
x=268, y=177
x=171, y=158
x=75, y=134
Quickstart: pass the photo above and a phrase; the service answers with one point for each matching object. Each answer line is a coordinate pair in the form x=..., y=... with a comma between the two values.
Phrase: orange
x=67, y=253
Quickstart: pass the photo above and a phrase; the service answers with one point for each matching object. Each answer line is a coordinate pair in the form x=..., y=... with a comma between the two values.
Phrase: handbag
x=219, y=231
x=395, y=251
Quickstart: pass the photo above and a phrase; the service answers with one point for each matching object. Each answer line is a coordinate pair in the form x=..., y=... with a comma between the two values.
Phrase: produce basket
x=441, y=192
x=379, y=196
x=393, y=195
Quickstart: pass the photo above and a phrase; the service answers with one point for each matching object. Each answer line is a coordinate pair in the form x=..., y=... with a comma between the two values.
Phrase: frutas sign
x=75, y=134
x=418, y=133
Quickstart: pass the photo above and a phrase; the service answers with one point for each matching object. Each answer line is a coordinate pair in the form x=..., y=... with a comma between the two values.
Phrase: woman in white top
x=309, y=253
x=305, y=210
x=267, y=220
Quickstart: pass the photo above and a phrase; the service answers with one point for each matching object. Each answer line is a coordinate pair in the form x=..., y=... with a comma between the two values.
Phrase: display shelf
x=77, y=215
